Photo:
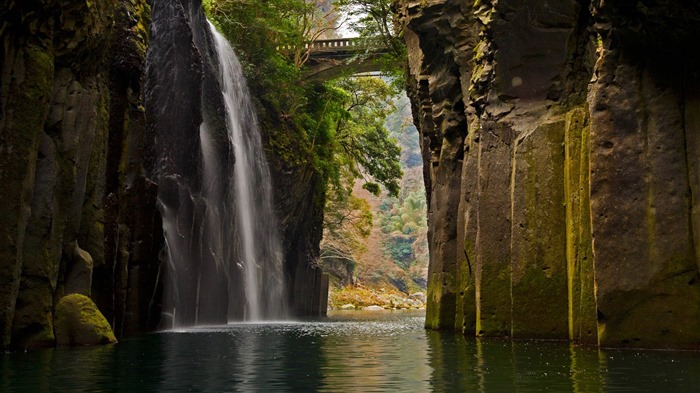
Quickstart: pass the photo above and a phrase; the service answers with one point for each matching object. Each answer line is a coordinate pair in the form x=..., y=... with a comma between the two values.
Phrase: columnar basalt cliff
x=560, y=144
x=80, y=149
x=77, y=208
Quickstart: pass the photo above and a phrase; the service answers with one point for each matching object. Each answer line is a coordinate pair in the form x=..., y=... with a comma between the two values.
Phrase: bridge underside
x=327, y=68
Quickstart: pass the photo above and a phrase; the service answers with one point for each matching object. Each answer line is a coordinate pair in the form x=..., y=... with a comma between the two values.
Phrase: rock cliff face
x=300, y=203
x=180, y=60
x=78, y=159
x=72, y=143
x=560, y=144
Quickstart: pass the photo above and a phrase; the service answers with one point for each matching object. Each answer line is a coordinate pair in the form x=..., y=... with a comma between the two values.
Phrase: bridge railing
x=332, y=45
x=335, y=44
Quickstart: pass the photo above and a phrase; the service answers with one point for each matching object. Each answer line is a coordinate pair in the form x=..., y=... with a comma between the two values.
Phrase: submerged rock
x=80, y=322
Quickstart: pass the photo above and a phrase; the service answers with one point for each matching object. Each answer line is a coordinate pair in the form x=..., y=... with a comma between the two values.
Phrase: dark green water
x=349, y=352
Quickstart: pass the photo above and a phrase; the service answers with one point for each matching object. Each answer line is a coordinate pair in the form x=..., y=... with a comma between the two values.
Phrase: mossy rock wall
x=493, y=252
x=26, y=89
x=60, y=116
x=300, y=202
x=577, y=209
x=538, y=262
x=579, y=252
x=642, y=177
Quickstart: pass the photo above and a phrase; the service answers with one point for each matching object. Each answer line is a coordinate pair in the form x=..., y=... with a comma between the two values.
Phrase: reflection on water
x=494, y=365
x=350, y=351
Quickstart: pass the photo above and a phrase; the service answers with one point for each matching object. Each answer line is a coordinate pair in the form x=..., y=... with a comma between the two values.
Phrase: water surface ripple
x=355, y=351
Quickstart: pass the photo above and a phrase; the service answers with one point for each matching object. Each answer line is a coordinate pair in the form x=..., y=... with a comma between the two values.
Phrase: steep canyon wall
x=87, y=124
x=560, y=159
x=77, y=207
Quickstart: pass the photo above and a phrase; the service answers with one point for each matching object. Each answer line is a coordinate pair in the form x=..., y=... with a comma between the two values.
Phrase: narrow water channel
x=348, y=352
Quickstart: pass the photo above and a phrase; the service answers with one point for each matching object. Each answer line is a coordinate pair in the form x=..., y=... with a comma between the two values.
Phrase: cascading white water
x=224, y=257
x=260, y=252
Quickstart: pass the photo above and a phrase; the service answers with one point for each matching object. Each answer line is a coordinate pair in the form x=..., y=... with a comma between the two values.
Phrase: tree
x=339, y=123
x=404, y=222
x=283, y=26
x=270, y=39
x=374, y=21
x=347, y=222
x=365, y=148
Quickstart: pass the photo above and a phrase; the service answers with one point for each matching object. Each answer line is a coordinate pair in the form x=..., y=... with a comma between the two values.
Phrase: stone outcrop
x=560, y=160
x=180, y=59
x=80, y=115
x=80, y=322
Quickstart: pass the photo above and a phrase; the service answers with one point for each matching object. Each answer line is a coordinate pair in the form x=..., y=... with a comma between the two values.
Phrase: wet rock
x=641, y=209
x=79, y=277
x=419, y=296
x=29, y=70
x=438, y=109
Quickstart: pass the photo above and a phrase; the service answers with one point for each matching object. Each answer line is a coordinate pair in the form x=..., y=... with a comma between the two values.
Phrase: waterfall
x=260, y=255
x=223, y=253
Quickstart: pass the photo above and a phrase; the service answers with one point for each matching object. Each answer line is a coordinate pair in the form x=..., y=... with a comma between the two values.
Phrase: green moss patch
x=79, y=322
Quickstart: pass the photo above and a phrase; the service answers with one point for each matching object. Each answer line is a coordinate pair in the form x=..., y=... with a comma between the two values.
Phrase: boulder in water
x=420, y=296
x=80, y=322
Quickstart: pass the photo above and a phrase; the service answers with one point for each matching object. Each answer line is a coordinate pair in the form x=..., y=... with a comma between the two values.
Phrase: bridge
x=331, y=58
x=343, y=48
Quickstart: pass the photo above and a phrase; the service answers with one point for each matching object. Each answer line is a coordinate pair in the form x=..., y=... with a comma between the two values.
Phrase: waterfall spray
x=261, y=254
x=224, y=256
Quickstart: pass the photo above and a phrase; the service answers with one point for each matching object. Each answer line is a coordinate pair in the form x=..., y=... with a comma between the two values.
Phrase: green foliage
x=348, y=216
x=347, y=223
x=401, y=127
x=340, y=122
x=404, y=222
x=337, y=126
x=374, y=21
x=406, y=216
x=401, y=250
x=257, y=30
x=360, y=133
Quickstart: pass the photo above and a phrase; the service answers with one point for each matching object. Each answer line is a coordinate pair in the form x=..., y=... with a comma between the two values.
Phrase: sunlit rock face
x=559, y=144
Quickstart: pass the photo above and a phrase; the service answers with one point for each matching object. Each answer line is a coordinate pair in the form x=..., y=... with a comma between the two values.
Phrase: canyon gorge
x=561, y=159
